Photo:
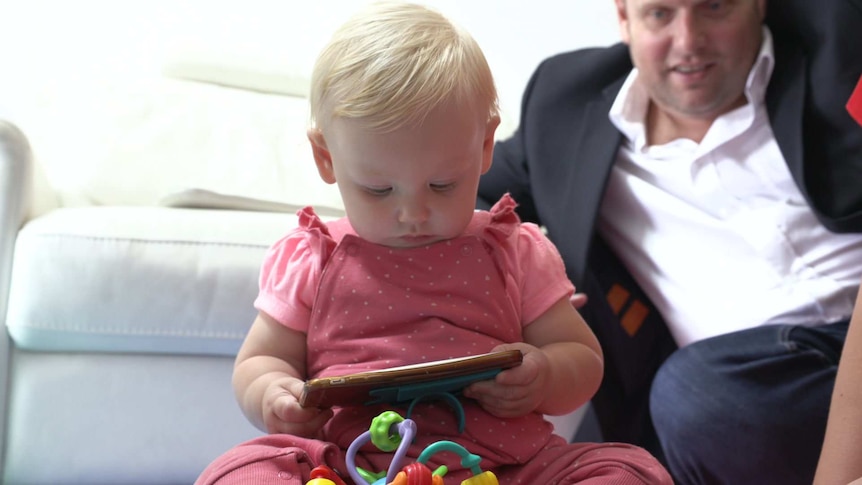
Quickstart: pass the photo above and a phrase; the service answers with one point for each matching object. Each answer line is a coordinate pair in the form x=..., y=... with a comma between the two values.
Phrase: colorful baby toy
x=391, y=432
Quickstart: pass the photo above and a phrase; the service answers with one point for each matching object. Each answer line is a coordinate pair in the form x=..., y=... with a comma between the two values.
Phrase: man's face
x=693, y=56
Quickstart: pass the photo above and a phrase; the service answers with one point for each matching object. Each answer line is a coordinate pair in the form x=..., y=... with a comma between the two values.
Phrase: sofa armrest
x=16, y=165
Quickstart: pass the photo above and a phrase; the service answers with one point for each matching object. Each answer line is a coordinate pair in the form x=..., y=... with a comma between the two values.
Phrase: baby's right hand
x=283, y=414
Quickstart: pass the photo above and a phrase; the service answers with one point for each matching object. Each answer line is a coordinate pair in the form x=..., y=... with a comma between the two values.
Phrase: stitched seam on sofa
x=108, y=331
x=180, y=242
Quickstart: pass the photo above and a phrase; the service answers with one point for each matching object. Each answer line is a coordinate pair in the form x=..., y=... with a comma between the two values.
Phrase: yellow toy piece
x=320, y=481
x=484, y=478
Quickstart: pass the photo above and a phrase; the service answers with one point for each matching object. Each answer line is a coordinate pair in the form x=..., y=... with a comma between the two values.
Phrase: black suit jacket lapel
x=785, y=102
x=592, y=156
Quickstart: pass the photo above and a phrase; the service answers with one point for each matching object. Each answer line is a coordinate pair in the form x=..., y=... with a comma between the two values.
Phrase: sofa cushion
x=140, y=141
x=139, y=279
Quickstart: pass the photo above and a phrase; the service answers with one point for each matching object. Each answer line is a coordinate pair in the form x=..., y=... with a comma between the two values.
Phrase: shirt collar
x=630, y=106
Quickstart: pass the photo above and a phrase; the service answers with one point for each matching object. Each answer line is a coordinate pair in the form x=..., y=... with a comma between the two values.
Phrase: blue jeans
x=748, y=407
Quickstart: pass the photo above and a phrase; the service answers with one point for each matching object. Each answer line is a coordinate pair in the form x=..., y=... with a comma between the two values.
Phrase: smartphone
x=405, y=383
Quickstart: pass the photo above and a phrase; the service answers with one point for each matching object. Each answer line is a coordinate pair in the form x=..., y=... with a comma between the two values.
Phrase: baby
x=404, y=111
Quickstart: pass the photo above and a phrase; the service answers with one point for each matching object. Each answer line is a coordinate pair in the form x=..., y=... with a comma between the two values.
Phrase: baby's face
x=415, y=185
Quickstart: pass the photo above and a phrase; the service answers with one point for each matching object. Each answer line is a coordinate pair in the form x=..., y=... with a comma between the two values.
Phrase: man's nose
x=689, y=33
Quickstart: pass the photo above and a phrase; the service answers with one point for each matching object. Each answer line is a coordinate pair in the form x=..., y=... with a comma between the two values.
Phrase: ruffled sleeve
x=291, y=269
x=503, y=218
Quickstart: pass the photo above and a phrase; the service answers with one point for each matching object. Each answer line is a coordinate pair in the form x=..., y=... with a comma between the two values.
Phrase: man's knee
x=687, y=393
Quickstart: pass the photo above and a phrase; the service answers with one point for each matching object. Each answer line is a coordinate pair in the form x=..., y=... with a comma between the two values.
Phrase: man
x=710, y=199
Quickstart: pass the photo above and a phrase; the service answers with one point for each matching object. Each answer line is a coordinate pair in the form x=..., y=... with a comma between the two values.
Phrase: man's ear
x=488, y=142
x=623, y=20
x=322, y=156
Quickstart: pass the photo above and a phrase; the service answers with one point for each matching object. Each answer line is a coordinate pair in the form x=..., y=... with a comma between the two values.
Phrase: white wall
x=56, y=48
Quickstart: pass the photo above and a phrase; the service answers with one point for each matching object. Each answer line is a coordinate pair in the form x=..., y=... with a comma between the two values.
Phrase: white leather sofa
x=123, y=319
x=133, y=218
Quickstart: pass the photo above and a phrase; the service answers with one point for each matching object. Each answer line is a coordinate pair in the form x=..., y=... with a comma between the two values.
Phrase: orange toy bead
x=414, y=474
x=323, y=475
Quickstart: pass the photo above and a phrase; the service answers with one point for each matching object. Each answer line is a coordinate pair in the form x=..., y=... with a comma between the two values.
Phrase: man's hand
x=578, y=300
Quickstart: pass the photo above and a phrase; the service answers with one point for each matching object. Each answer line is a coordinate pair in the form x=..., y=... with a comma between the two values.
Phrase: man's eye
x=657, y=14
x=715, y=7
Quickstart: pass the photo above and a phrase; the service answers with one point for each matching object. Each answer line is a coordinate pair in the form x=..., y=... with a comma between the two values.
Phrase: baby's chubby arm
x=268, y=376
x=562, y=368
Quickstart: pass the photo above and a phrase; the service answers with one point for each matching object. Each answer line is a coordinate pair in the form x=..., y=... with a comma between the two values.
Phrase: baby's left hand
x=517, y=391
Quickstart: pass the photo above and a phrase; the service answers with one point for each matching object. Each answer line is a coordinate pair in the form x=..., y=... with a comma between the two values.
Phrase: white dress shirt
x=717, y=233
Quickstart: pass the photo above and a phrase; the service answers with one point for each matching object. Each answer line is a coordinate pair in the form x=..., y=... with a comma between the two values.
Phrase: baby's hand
x=283, y=414
x=517, y=391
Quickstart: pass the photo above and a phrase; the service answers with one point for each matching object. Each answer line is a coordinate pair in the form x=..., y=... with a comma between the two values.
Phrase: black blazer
x=556, y=166
x=557, y=163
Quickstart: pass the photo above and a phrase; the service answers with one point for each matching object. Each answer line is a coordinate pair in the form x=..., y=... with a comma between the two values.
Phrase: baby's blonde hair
x=392, y=63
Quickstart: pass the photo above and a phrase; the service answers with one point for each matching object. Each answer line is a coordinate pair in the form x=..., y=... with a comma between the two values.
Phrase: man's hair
x=392, y=63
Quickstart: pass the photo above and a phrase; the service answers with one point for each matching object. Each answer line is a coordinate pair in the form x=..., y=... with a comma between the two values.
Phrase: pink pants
x=287, y=460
